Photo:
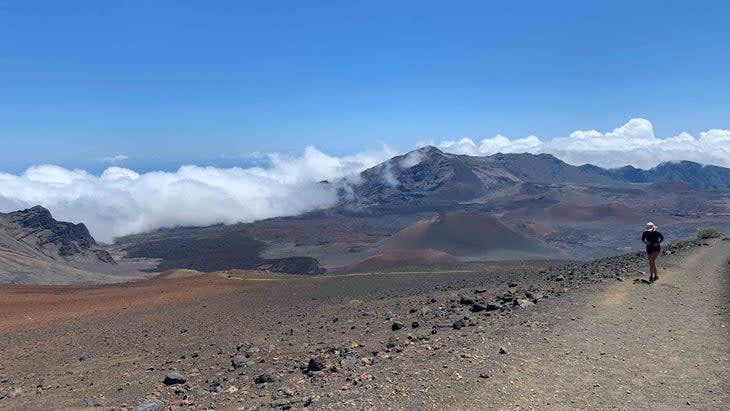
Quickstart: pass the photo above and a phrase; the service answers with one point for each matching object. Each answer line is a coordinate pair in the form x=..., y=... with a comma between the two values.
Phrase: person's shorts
x=652, y=249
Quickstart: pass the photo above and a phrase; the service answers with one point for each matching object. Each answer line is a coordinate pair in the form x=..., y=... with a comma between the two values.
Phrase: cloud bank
x=634, y=143
x=121, y=201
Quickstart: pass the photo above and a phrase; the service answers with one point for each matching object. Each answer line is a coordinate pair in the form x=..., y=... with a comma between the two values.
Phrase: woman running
x=653, y=240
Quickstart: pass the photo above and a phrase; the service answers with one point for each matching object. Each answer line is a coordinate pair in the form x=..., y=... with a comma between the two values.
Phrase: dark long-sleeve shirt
x=654, y=239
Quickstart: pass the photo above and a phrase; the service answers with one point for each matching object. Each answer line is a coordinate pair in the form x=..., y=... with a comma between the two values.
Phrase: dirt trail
x=632, y=346
x=590, y=343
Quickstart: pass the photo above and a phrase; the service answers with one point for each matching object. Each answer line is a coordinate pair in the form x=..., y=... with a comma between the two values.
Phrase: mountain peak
x=420, y=154
x=428, y=149
x=36, y=227
x=34, y=217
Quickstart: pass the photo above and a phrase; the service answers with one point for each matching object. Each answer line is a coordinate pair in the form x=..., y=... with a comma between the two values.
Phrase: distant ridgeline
x=428, y=176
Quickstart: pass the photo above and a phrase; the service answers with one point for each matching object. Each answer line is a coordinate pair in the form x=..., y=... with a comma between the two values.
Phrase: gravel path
x=596, y=340
x=629, y=346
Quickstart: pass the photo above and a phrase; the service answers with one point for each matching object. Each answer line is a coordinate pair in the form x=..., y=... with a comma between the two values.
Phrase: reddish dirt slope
x=31, y=306
x=462, y=234
x=393, y=260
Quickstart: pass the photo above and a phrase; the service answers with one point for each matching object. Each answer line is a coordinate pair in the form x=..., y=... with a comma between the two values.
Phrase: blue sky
x=168, y=83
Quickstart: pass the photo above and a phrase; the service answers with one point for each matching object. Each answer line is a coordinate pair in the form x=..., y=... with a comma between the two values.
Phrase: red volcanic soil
x=32, y=306
x=392, y=260
x=252, y=340
x=462, y=234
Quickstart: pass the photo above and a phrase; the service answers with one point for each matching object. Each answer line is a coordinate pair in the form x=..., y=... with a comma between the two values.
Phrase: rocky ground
x=528, y=335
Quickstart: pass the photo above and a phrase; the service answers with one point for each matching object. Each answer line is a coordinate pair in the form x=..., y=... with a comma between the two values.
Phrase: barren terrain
x=507, y=335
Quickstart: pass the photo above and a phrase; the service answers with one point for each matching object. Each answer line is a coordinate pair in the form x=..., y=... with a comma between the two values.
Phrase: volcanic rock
x=172, y=378
x=239, y=361
x=152, y=405
x=316, y=364
x=268, y=376
x=466, y=300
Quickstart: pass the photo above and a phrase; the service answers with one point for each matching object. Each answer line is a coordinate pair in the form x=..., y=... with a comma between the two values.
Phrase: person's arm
x=643, y=238
x=661, y=238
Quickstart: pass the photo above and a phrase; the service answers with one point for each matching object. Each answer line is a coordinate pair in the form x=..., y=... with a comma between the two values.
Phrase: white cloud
x=411, y=159
x=121, y=201
x=115, y=159
x=634, y=143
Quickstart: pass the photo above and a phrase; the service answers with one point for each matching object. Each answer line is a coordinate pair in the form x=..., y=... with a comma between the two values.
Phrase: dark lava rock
x=478, y=307
x=316, y=364
x=396, y=326
x=215, y=387
x=93, y=403
x=480, y=291
x=243, y=346
x=502, y=350
x=348, y=362
x=392, y=343
x=268, y=376
x=84, y=357
x=559, y=278
x=493, y=307
x=152, y=405
x=44, y=385
x=415, y=324
x=336, y=349
x=507, y=297
x=483, y=375
x=466, y=300
x=287, y=403
x=534, y=295
x=172, y=378
x=459, y=324
x=512, y=284
x=239, y=361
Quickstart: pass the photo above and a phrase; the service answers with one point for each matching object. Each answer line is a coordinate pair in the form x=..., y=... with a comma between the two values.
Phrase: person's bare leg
x=651, y=269
x=654, y=275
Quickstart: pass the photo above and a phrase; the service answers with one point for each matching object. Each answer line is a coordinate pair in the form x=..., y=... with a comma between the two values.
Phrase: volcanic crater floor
x=507, y=335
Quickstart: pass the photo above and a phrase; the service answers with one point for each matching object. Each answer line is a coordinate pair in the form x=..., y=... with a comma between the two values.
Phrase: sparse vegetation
x=708, y=232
